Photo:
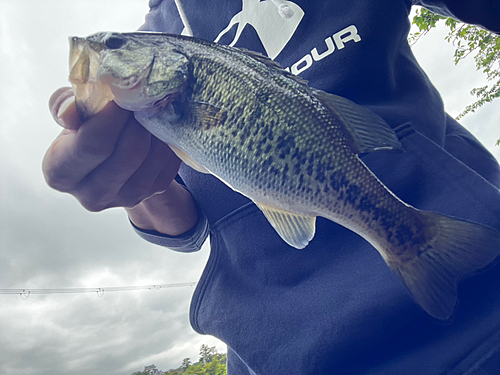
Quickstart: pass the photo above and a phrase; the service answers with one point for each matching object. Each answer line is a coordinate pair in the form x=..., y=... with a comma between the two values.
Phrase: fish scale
x=314, y=148
x=292, y=149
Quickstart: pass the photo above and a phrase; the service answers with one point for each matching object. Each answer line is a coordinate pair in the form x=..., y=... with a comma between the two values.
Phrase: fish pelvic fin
x=457, y=249
x=295, y=229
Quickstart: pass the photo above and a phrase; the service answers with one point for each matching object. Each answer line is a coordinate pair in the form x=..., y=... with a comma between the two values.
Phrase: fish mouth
x=91, y=95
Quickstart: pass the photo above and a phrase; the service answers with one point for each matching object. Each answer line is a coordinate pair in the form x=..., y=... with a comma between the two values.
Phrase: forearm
x=172, y=212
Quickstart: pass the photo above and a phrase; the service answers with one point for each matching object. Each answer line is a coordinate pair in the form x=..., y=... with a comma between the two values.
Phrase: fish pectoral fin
x=207, y=115
x=188, y=160
x=366, y=130
x=295, y=229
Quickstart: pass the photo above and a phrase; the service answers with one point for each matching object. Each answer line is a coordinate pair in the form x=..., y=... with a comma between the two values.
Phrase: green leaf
x=468, y=40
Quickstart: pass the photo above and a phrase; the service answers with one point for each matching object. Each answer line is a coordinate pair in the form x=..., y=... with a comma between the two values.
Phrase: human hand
x=110, y=160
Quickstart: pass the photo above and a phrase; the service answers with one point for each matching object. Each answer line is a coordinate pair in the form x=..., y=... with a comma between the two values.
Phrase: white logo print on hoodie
x=274, y=28
x=275, y=22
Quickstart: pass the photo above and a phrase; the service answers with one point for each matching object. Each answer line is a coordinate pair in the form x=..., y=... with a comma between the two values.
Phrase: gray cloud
x=48, y=241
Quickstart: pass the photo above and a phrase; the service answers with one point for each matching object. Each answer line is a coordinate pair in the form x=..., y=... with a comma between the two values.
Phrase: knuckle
x=93, y=200
x=93, y=151
x=92, y=205
x=57, y=182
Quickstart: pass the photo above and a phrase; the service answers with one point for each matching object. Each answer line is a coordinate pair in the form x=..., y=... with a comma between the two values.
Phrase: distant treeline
x=209, y=363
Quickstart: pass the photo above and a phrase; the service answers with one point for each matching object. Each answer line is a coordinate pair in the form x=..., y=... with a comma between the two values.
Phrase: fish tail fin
x=455, y=249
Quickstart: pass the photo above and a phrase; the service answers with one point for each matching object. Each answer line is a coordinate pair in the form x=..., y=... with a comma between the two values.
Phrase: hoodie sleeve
x=485, y=13
x=188, y=242
x=164, y=16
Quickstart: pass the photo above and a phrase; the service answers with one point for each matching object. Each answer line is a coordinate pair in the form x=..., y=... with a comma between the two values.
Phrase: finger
x=63, y=109
x=74, y=154
x=100, y=188
x=96, y=138
x=168, y=173
x=153, y=176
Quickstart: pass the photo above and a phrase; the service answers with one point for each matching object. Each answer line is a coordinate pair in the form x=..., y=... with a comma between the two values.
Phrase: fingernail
x=59, y=103
x=64, y=106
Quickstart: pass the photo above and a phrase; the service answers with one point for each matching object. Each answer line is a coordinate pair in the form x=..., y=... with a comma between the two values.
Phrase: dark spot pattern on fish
x=245, y=134
x=267, y=162
x=270, y=134
x=285, y=169
x=385, y=217
x=309, y=170
x=404, y=233
x=258, y=149
x=364, y=204
x=255, y=116
x=320, y=173
x=243, y=163
x=285, y=144
x=237, y=113
x=338, y=182
x=262, y=97
x=268, y=148
x=352, y=194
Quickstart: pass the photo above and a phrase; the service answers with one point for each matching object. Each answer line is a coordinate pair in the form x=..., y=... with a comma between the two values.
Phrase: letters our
x=338, y=40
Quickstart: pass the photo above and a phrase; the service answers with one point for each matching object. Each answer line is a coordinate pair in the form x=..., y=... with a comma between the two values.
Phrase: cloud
x=48, y=241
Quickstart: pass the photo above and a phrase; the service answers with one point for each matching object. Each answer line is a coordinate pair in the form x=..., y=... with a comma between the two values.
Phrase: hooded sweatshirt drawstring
x=187, y=28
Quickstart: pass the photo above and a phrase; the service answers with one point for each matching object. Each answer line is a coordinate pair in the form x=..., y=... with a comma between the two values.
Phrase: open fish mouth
x=91, y=95
x=95, y=83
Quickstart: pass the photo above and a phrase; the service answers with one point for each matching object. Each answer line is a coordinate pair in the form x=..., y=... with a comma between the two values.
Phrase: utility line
x=25, y=293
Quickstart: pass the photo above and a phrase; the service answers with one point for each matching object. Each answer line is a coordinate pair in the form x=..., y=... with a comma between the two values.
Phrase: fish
x=292, y=149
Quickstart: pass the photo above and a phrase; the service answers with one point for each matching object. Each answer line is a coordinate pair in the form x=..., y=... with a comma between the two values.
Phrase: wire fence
x=25, y=293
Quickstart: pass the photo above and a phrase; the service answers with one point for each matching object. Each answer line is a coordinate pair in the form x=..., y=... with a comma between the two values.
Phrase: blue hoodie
x=335, y=307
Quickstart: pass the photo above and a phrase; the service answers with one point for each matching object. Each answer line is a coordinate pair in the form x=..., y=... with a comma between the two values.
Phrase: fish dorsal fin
x=188, y=160
x=367, y=131
x=273, y=65
x=207, y=115
x=296, y=230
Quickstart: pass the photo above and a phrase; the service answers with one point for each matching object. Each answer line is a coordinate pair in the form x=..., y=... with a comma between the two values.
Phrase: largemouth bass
x=292, y=149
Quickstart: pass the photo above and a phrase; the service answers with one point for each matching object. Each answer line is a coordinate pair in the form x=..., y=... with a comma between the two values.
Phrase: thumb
x=63, y=109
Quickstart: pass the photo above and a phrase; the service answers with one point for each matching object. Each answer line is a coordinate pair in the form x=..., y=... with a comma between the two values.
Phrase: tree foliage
x=468, y=40
x=210, y=363
x=207, y=353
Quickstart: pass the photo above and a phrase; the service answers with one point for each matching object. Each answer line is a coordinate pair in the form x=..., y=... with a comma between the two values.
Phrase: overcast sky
x=48, y=241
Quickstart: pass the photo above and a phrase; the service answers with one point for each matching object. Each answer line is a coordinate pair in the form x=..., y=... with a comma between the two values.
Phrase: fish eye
x=114, y=41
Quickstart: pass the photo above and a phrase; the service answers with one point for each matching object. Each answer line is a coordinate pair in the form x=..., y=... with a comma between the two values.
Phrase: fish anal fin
x=188, y=160
x=295, y=229
x=457, y=249
x=366, y=130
